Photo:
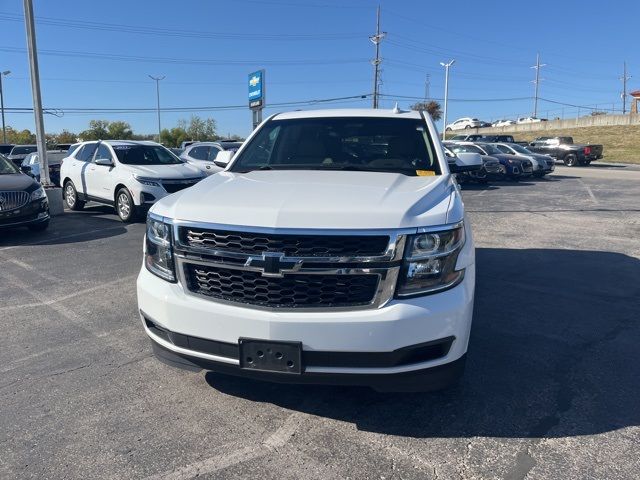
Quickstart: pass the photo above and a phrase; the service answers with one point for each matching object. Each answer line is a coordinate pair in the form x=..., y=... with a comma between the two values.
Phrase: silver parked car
x=203, y=154
x=542, y=164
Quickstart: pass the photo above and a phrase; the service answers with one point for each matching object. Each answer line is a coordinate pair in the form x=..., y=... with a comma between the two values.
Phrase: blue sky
x=98, y=55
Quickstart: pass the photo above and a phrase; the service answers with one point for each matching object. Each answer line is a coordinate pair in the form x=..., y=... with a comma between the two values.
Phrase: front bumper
x=396, y=326
x=30, y=214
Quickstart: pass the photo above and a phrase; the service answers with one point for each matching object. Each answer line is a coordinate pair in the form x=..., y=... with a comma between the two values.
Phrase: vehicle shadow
x=71, y=227
x=553, y=353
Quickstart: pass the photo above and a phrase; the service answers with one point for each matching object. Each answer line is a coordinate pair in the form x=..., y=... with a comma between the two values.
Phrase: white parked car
x=333, y=248
x=203, y=154
x=463, y=123
x=503, y=123
x=522, y=120
x=129, y=175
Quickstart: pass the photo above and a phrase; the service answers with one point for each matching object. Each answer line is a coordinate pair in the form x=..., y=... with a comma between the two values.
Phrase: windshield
x=400, y=145
x=145, y=155
x=7, y=167
x=520, y=148
x=491, y=149
x=23, y=150
x=466, y=149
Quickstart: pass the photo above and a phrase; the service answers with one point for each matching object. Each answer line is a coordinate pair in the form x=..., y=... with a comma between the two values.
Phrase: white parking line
x=232, y=454
x=588, y=189
x=66, y=297
x=62, y=237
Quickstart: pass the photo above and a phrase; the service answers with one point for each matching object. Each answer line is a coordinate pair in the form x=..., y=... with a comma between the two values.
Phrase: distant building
x=635, y=101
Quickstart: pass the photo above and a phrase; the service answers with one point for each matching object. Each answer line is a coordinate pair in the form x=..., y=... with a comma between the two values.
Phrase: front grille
x=293, y=291
x=172, y=186
x=13, y=200
x=290, y=245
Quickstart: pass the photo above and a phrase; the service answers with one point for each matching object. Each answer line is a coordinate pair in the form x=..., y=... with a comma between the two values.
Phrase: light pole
x=4, y=131
x=157, y=80
x=446, y=94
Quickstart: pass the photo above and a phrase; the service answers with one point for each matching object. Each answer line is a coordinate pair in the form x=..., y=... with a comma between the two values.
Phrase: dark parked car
x=563, y=148
x=5, y=148
x=31, y=165
x=491, y=167
x=19, y=152
x=23, y=201
x=512, y=162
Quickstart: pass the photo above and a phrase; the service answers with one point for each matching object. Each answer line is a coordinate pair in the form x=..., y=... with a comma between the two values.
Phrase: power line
x=182, y=61
x=165, y=32
x=193, y=108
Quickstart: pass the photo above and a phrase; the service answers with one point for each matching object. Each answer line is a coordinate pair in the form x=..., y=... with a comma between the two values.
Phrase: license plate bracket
x=270, y=356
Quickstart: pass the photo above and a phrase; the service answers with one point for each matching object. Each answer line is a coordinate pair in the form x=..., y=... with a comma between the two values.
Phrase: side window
x=502, y=148
x=213, y=153
x=103, y=152
x=199, y=153
x=86, y=152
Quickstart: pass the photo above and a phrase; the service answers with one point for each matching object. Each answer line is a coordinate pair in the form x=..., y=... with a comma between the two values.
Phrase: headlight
x=430, y=262
x=38, y=194
x=151, y=182
x=158, y=254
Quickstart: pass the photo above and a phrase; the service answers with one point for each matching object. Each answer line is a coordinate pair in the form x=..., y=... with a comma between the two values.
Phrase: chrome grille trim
x=10, y=200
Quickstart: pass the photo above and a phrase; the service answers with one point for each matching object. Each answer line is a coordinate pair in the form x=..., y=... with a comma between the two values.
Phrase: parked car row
x=466, y=123
x=502, y=161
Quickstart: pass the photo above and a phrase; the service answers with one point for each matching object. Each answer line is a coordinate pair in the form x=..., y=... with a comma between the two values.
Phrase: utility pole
x=157, y=80
x=427, y=84
x=35, y=89
x=536, y=82
x=4, y=131
x=446, y=95
x=624, y=79
x=376, y=39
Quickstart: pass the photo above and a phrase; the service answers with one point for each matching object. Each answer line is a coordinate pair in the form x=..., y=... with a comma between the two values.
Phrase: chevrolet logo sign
x=273, y=264
x=253, y=81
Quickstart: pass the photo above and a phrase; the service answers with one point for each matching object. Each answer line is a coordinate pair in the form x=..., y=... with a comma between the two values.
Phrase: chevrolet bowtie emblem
x=273, y=264
x=253, y=81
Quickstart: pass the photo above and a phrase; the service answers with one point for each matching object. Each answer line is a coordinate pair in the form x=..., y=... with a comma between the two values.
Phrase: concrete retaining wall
x=595, y=121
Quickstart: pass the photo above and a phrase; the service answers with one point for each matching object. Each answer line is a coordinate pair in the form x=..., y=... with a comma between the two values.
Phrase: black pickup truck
x=563, y=148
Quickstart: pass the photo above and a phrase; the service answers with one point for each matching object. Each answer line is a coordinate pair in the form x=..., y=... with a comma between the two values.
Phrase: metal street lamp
x=157, y=80
x=446, y=94
x=4, y=131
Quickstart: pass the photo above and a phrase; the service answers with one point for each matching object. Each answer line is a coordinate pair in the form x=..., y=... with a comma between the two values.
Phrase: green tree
x=173, y=137
x=432, y=107
x=119, y=131
x=97, y=130
x=22, y=137
x=200, y=129
x=65, y=136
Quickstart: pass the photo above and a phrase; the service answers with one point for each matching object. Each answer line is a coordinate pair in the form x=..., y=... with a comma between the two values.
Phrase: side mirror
x=223, y=158
x=466, y=162
x=105, y=162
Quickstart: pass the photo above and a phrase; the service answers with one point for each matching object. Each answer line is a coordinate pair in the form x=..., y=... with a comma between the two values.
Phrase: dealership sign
x=256, y=89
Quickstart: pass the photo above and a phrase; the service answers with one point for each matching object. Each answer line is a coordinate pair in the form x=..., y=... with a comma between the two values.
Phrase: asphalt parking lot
x=551, y=390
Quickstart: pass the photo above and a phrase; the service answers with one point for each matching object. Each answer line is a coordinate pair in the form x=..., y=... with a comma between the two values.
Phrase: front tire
x=71, y=197
x=571, y=160
x=125, y=208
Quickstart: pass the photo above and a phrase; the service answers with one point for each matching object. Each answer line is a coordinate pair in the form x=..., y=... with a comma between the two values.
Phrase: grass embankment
x=621, y=142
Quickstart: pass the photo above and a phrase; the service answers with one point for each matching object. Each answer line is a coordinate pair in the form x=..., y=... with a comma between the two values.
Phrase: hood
x=315, y=199
x=17, y=182
x=508, y=156
x=177, y=171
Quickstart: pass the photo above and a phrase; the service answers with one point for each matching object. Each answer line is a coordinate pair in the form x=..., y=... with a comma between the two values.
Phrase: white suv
x=203, y=154
x=337, y=252
x=128, y=175
x=463, y=123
